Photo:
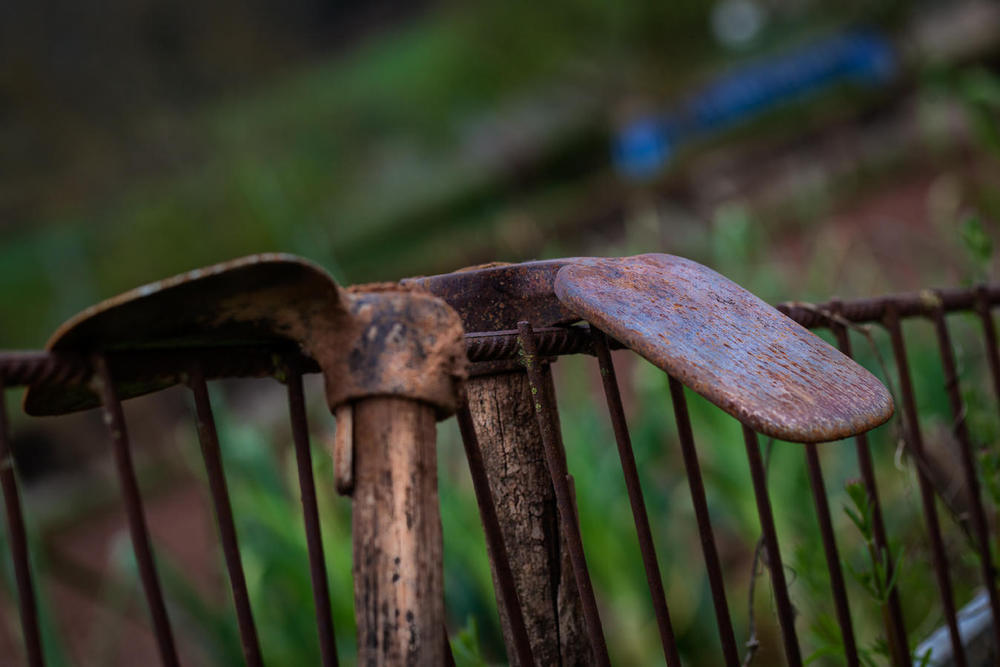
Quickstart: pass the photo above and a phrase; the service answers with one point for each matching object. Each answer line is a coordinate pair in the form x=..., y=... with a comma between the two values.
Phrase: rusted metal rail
x=516, y=319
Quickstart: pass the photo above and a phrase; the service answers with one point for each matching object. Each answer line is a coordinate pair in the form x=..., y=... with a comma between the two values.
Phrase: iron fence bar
x=698, y=500
x=114, y=418
x=641, y=519
x=892, y=610
x=18, y=543
x=989, y=338
x=830, y=552
x=494, y=536
x=914, y=441
x=310, y=518
x=44, y=367
x=786, y=614
x=876, y=309
x=208, y=438
x=961, y=430
x=564, y=497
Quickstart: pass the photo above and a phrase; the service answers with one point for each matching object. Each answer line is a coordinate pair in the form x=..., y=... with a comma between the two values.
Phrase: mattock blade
x=256, y=300
x=726, y=344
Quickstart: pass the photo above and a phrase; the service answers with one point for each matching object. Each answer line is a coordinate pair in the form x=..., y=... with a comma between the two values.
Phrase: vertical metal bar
x=114, y=418
x=990, y=337
x=18, y=543
x=961, y=430
x=711, y=555
x=786, y=614
x=310, y=517
x=914, y=441
x=639, y=516
x=209, y=440
x=564, y=499
x=494, y=536
x=832, y=557
x=892, y=612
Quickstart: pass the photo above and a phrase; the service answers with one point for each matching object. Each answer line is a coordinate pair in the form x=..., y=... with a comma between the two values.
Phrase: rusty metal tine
x=708, y=549
x=832, y=557
x=114, y=418
x=961, y=430
x=893, y=615
x=208, y=438
x=786, y=614
x=564, y=499
x=494, y=535
x=989, y=336
x=641, y=519
x=914, y=441
x=310, y=517
x=18, y=543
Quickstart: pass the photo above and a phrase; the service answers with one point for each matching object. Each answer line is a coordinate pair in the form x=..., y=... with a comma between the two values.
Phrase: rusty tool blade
x=261, y=299
x=726, y=344
x=493, y=297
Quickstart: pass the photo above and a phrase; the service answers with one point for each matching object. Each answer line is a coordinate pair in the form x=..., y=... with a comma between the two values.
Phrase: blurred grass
x=402, y=156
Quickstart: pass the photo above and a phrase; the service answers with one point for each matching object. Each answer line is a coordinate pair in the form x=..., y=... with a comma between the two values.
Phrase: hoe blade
x=726, y=344
x=252, y=301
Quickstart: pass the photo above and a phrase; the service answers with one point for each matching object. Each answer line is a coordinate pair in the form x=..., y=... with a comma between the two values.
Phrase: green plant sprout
x=880, y=580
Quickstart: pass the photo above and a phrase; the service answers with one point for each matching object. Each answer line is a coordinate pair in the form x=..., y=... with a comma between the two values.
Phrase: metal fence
x=66, y=379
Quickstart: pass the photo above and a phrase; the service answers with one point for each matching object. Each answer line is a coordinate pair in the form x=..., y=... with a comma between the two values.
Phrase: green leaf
x=976, y=240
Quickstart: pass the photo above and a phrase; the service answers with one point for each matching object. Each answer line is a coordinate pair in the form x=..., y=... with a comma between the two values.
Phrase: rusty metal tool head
x=711, y=334
x=376, y=340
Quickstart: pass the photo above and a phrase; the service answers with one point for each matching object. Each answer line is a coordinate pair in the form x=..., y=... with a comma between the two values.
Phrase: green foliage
x=979, y=90
x=979, y=246
x=465, y=646
x=880, y=578
x=53, y=643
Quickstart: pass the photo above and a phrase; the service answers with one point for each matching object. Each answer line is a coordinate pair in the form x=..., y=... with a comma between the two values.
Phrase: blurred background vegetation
x=388, y=139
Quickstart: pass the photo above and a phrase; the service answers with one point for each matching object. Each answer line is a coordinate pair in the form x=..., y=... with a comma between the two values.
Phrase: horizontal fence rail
x=531, y=349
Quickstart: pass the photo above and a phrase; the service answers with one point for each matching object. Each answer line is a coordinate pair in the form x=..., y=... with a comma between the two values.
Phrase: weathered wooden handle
x=504, y=416
x=343, y=450
x=398, y=572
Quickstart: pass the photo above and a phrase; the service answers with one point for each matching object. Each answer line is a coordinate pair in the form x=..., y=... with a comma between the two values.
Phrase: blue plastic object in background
x=861, y=57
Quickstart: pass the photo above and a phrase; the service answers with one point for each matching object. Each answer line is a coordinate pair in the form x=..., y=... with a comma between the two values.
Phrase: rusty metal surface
x=268, y=300
x=727, y=345
x=498, y=296
x=252, y=302
x=905, y=305
x=406, y=343
x=18, y=540
x=892, y=616
x=139, y=372
x=548, y=426
x=235, y=302
x=647, y=546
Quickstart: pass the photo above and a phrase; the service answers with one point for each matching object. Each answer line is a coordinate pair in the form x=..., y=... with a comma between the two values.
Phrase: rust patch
x=404, y=343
